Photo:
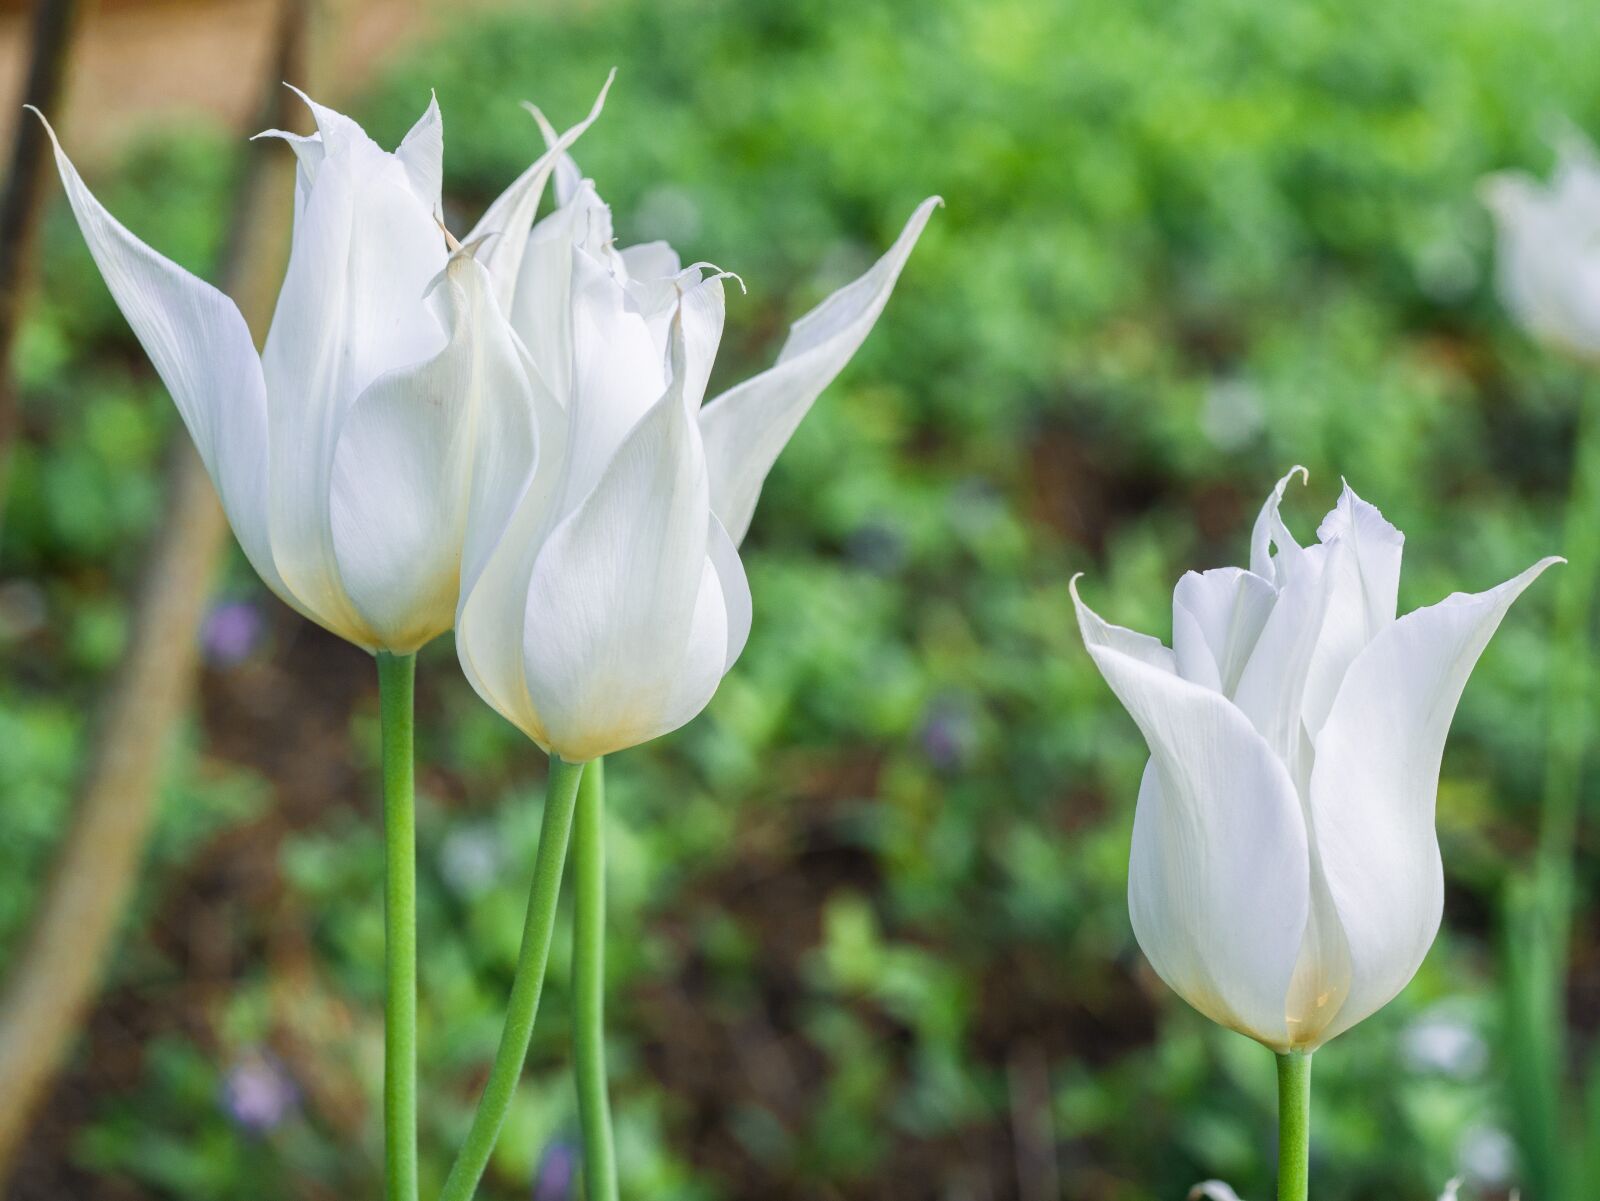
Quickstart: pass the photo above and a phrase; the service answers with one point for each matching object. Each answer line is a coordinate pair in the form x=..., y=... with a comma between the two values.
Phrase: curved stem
x=537, y=931
x=396, y=678
x=588, y=985
x=1294, y=1125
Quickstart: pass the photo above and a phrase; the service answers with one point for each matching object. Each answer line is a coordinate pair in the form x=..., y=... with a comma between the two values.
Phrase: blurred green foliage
x=869, y=922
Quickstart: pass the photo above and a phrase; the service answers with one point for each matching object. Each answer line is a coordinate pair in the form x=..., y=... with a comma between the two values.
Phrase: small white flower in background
x=603, y=601
x=1285, y=875
x=343, y=453
x=1446, y=1044
x=1548, y=248
x=1212, y=1190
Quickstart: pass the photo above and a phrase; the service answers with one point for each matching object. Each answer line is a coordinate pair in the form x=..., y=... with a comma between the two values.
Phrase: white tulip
x=610, y=599
x=1285, y=875
x=1548, y=249
x=344, y=452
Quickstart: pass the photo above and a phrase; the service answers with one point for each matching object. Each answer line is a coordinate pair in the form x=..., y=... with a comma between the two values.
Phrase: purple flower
x=258, y=1093
x=557, y=1172
x=947, y=735
x=232, y=630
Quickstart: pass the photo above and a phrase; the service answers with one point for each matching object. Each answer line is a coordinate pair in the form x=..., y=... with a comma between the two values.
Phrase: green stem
x=1568, y=717
x=396, y=678
x=1294, y=1125
x=537, y=931
x=589, y=983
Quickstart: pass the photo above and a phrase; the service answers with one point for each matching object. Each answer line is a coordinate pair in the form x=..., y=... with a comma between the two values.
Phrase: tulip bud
x=1285, y=876
x=1548, y=249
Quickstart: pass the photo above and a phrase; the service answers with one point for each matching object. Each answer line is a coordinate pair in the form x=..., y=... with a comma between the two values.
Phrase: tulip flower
x=603, y=600
x=1285, y=876
x=344, y=452
x=1548, y=249
x=612, y=600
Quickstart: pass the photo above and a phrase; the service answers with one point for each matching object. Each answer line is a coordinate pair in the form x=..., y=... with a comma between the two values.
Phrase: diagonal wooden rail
x=21, y=205
x=53, y=979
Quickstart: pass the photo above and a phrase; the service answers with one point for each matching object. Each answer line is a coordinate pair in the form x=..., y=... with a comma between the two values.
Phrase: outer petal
x=619, y=646
x=511, y=215
x=403, y=469
x=201, y=348
x=365, y=250
x=1375, y=782
x=1219, y=882
x=1217, y=616
x=747, y=427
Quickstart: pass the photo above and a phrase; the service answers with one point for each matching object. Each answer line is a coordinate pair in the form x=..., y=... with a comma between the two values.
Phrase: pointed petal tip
x=716, y=274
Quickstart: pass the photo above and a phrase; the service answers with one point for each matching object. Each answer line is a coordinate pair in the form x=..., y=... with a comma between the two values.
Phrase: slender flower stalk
x=396, y=678
x=1294, y=1125
x=1569, y=705
x=538, y=929
x=589, y=983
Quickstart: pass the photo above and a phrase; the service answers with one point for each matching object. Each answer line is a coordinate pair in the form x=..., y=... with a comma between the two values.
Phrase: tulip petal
x=747, y=427
x=620, y=643
x=1272, y=685
x=1219, y=878
x=365, y=250
x=200, y=346
x=542, y=304
x=702, y=310
x=1217, y=617
x=1269, y=531
x=403, y=476
x=1375, y=781
x=651, y=260
x=567, y=178
x=735, y=587
x=1362, y=597
x=421, y=153
x=510, y=217
x=308, y=158
x=618, y=372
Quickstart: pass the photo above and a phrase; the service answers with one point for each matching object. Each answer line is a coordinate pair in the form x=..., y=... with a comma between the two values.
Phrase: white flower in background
x=344, y=452
x=1285, y=875
x=1548, y=248
x=1213, y=1190
x=610, y=599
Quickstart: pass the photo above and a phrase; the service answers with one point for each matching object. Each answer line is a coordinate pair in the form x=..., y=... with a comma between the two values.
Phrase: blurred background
x=869, y=930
